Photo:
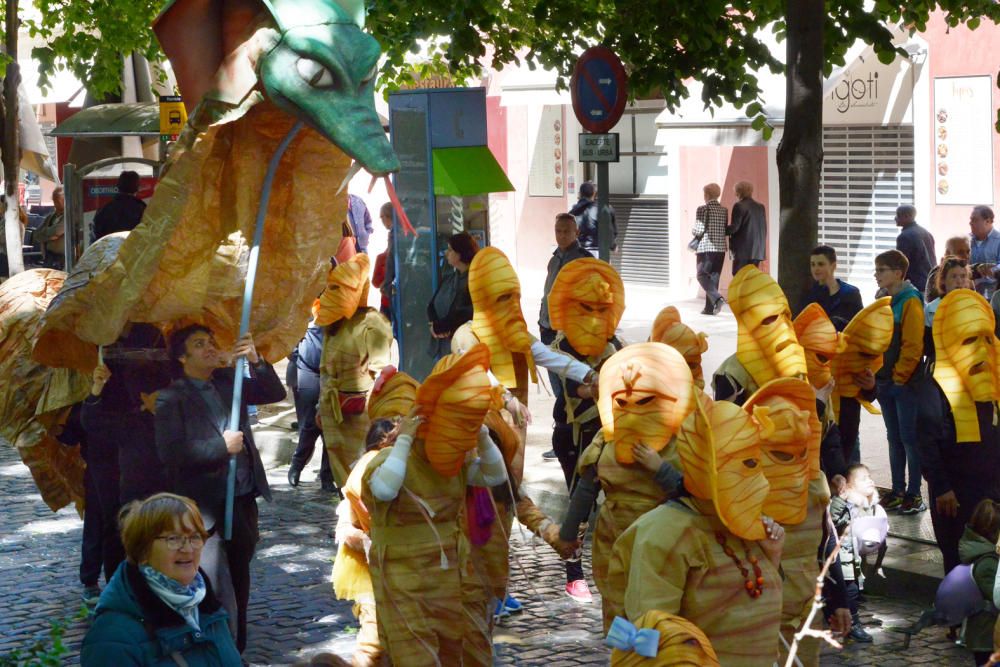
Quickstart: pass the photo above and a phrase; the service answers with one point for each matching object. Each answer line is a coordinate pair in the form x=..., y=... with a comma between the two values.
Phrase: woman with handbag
x=451, y=305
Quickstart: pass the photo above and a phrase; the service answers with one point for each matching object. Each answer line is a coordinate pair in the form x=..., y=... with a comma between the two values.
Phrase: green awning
x=136, y=119
x=470, y=170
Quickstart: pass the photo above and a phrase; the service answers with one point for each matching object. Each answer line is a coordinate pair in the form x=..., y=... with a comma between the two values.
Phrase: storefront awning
x=469, y=170
x=135, y=119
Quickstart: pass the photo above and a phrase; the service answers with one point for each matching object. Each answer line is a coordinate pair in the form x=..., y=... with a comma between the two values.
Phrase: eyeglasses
x=178, y=542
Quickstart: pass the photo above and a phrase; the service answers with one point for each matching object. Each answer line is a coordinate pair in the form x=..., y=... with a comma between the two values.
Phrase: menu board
x=546, y=146
x=963, y=140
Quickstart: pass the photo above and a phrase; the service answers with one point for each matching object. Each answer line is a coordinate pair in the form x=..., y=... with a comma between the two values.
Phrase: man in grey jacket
x=747, y=229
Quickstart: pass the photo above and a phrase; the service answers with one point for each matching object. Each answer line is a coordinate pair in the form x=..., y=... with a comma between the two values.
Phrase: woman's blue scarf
x=182, y=599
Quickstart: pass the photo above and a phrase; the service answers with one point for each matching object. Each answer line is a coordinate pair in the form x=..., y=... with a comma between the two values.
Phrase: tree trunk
x=800, y=153
x=11, y=149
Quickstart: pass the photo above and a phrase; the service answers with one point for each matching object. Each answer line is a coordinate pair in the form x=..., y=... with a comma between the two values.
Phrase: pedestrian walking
x=711, y=221
x=747, y=230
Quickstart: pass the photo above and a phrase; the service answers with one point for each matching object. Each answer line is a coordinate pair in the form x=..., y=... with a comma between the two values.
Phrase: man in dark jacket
x=917, y=244
x=747, y=229
x=124, y=212
x=586, y=214
x=194, y=445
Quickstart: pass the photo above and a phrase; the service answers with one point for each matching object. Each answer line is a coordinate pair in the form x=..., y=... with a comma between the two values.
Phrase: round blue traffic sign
x=599, y=88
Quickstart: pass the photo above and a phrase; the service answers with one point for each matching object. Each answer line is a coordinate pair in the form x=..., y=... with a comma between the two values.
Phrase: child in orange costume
x=645, y=394
x=668, y=329
x=669, y=641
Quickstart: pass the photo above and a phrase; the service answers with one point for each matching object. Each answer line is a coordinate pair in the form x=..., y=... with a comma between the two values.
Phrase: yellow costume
x=586, y=303
x=697, y=557
x=392, y=395
x=432, y=609
x=821, y=342
x=645, y=394
x=355, y=349
x=679, y=643
x=866, y=339
x=668, y=329
x=966, y=358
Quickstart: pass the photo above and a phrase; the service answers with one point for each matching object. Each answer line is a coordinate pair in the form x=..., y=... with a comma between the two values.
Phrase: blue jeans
x=899, y=411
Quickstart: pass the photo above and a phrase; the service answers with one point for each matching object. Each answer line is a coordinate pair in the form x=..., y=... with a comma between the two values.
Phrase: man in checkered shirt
x=710, y=224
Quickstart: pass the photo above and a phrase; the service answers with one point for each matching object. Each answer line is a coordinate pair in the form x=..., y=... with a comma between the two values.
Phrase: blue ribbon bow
x=625, y=636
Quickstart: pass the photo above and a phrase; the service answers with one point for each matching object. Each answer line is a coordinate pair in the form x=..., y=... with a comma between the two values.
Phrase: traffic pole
x=603, y=214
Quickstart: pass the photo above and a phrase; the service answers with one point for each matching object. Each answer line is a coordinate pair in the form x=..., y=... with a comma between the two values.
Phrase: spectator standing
x=985, y=254
x=194, y=445
x=51, y=233
x=384, y=273
x=841, y=301
x=917, y=244
x=451, y=305
x=956, y=246
x=897, y=382
x=306, y=359
x=124, y=212
x=748, y=229
x=711, y=220
x=586, y=213
x=361, y=222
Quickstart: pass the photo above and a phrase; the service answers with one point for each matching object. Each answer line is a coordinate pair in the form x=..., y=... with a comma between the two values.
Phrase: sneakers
x=858, y=634
x=294, y=473
x=579, y=591
x=549, y=455
x=912, y=505
x=91, y=594
x=717, y=306
x=507, y=606
x=891, y=501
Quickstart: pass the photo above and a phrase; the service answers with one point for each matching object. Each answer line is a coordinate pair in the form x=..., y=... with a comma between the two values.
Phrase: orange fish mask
x=454, y=399
x=681, y=643
x=644, y=395
x=497, y=320
x=766, y=345
x=586, y=303
x=865, y=340
x=790, y=450
x=821, y=342
x=393, y=394
x=346, y=291
x=966, y=358
x=668, y=329
x=719, y=449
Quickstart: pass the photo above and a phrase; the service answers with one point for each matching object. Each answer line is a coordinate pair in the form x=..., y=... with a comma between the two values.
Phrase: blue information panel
x=599, y=88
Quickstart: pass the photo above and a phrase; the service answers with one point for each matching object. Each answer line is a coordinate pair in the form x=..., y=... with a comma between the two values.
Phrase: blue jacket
x=840, y=307
x=133, y=626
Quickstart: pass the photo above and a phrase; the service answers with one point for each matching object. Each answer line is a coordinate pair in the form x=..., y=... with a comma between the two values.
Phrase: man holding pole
x=194, y=444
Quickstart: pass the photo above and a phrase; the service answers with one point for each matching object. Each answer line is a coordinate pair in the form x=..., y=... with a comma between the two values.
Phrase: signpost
x=172, y=117
x=599, y=88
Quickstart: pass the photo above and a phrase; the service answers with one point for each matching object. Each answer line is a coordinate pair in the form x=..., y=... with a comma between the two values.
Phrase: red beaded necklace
x=755, y=585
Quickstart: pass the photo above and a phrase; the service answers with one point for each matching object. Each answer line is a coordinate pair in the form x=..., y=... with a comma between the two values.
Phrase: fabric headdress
x=790, y=451
x=766, y=345
x=821, y=342
x=675, y=642
x=346, y=291
x=497, y=320
x=668, y=329
x=719, y=449
x=586, y=303
x=644, y=395
x=454, y=399
x=966, y=352
x=866, y=338
x=393, y=394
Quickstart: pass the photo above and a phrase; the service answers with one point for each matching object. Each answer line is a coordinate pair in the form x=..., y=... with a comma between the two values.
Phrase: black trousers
x=227, y=564
x=102, y=547
x=849, y=423
x=948, y=530
x=306, y=396
x=740, y=263
x=709, y=271
x=568, y=452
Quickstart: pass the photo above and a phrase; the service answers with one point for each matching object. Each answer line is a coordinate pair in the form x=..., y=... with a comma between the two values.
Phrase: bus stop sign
x=599, y=88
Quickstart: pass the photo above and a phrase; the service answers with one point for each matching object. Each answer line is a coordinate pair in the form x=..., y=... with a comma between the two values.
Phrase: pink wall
x=725, y=165
x=957, y=52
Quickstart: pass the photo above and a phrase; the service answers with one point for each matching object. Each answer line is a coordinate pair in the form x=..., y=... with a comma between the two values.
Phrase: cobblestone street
x=293, y=613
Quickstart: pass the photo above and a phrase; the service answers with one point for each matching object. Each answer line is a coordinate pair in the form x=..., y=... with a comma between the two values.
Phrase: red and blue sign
x=599, y=88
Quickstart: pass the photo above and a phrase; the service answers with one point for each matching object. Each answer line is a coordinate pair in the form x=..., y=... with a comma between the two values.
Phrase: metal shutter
x=643, y=254
x=867, y=173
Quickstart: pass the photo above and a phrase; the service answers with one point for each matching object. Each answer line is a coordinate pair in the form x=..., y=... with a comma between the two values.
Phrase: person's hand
x=646, y=457
x=865, y=380
x=101, y=375
x=411, y=423
x=519, y=411
x=823, y=393
x=234, y=441
x=985, y=270
x=840, y=622
x=592, y=379
x=947, y=504
x=244, y=347
x=774, y=542
x=355, y=540
x=585, y=391
x=566, y=550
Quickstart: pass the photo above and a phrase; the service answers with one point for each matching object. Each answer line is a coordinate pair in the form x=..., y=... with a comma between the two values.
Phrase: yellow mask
x=669, y=330
x=392, y=395
x=966, y=358
x=346, y=291
x=719, y=449
x=766, y=345
x=682, y=644
x=497, y=320
x=790, y=451
x=454, y=399
x=586, y=303
x=821, y=342
x=865, y=340
x=644, y=395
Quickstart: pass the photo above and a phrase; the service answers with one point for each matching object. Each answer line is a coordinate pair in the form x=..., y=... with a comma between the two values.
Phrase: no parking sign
x=599, y=88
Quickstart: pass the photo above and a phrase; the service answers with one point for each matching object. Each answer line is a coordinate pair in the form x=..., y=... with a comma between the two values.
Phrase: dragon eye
x=314, y=73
